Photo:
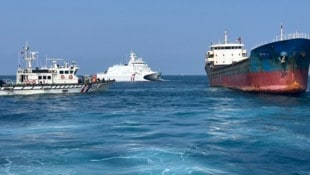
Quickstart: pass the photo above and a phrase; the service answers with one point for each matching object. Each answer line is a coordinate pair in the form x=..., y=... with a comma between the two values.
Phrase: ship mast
x=29, y=57
x=225, y=37
x=132, y=57
x=281, y=32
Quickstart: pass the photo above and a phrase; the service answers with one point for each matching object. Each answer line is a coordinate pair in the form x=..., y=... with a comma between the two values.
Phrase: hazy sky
x=170, y=35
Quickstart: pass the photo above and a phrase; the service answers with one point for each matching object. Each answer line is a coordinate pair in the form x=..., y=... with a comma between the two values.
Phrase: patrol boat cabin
x=54, y=79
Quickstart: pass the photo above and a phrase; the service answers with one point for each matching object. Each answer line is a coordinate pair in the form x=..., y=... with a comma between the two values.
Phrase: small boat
x=50, y=80
x=135, y=70
x=278, y=67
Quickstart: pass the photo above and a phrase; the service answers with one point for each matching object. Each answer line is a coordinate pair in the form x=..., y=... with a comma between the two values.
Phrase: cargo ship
x=277, y=67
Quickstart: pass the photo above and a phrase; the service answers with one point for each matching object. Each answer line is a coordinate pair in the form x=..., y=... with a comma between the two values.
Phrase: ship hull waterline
x=156, y=76
x=265, y=82
x=53, y=88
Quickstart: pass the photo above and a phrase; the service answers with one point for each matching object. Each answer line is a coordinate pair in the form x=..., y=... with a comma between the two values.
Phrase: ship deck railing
x=292, y=36
x=289, y=36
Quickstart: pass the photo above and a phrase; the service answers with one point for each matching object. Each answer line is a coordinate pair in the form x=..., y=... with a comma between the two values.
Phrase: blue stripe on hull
x=284, y=55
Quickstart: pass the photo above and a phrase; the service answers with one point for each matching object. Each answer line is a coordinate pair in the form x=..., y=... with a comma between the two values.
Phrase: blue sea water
x=179, y=126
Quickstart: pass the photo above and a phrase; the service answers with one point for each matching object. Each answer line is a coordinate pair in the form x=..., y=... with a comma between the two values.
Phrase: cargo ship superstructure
x=279, y=67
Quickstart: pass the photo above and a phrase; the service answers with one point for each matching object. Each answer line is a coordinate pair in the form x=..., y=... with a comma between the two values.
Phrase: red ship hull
x=267, y=82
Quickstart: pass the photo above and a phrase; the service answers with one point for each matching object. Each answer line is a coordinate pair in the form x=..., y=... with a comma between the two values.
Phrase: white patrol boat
x=135, y=70
x=46, y=80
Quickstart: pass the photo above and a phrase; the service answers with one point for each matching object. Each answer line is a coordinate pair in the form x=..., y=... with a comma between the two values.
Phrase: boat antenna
x=225, y=37
x=18, y=58
x=46, y=60
x=37, y=60
x=281, y=32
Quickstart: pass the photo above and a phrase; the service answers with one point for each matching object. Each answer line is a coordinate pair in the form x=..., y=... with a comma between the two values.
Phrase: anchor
x=282, y=57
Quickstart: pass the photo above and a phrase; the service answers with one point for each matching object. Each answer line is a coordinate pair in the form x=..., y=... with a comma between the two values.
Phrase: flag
x=239, y=39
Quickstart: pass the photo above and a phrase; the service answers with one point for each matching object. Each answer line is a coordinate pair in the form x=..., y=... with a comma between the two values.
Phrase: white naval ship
x=135, y=70
x=46, y=80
